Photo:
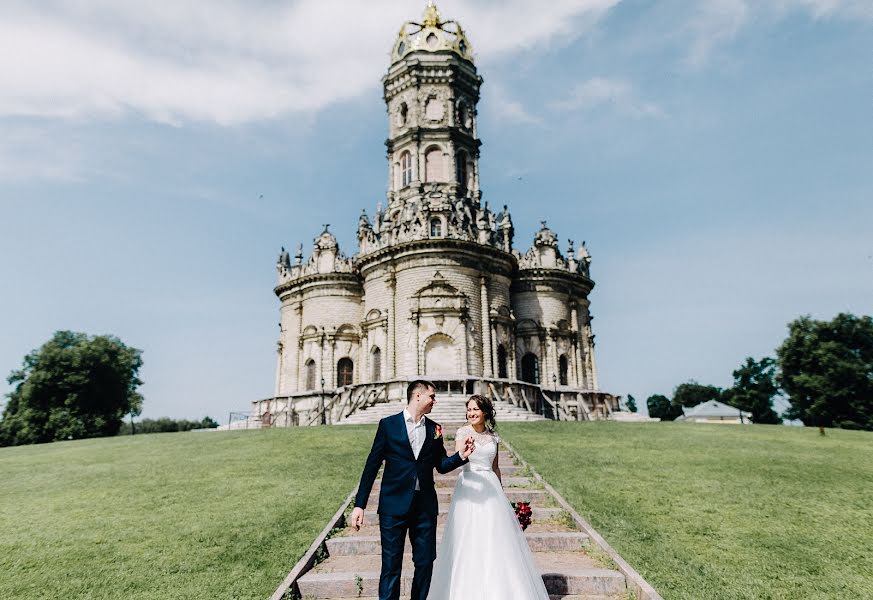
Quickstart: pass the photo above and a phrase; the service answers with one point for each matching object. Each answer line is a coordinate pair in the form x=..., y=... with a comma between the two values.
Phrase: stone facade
x=436, y=288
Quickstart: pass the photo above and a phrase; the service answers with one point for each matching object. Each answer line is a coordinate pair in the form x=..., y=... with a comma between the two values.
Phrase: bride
x=483, y=555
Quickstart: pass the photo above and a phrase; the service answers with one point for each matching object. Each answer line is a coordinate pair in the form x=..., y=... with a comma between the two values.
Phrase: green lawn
x=702, y=512
x=722, y=512
x=178, y=515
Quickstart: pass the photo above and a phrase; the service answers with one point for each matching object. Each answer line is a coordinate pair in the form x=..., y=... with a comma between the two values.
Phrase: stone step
x=358, y=576
x=551, y=597
x=444, y=495
x=447, y=481
x=543, y=541
x=538, y=514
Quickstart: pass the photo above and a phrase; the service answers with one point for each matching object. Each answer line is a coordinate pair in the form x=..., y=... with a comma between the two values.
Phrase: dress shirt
x=415, y=432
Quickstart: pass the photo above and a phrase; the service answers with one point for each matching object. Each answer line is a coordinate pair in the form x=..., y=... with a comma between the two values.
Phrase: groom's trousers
x=422, y=537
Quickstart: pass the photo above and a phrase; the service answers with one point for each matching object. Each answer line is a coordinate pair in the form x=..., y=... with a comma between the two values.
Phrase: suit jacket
x=392, y=446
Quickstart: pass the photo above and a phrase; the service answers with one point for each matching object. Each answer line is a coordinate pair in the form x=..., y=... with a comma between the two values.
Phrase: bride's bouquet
x=522, y=513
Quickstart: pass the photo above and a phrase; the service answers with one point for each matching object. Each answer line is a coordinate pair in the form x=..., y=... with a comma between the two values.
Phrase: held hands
x=358, y=518
x=469, y=447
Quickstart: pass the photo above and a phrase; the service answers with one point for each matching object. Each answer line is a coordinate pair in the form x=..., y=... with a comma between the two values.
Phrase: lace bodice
x=486, y=448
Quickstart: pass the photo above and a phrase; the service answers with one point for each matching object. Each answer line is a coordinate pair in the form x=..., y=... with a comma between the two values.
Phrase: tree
x=208, y=423
x=692, y=393
x=631, y=403
x=660, y=407
x=826, y=369
x=74, y=386
x=754, y=389
x=166, y=424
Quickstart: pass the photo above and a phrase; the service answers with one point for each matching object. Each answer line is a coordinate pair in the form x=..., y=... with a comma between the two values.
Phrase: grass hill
x=701, y=511
x=720, y=511
x=175, y=515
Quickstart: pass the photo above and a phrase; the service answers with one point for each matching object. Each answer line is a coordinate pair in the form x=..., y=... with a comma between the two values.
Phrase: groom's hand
x=469, y=447
x=358, y=518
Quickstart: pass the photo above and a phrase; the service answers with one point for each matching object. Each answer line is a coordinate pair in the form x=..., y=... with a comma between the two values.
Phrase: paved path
x=570, y=569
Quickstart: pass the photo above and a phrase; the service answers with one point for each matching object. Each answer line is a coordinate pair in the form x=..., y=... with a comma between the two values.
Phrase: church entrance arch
x=530, y=368
x=440, y=355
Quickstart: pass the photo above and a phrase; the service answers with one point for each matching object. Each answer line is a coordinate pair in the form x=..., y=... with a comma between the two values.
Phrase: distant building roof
x=712, y=409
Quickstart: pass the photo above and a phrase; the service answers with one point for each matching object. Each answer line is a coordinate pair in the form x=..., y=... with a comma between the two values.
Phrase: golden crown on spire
x=432, y=35
x=431, y=15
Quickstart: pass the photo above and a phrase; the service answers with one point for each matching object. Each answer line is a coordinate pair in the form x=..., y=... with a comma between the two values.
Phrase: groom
x=411, y=447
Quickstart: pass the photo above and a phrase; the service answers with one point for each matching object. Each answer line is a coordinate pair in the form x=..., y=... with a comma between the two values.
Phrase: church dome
x=432, y=35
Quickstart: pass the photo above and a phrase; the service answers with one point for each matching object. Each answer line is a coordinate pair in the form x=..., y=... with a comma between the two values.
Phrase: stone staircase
x=571, y=567
x=448, y=408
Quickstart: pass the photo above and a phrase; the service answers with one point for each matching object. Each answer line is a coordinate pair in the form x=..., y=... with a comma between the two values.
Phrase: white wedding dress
x=483, y=554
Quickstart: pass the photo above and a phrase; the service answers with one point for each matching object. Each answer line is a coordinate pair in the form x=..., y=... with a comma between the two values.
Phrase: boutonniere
x=438, y=432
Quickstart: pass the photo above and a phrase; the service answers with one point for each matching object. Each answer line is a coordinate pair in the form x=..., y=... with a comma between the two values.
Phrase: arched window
x=405, y=168
x=375, y=364
x=310, y=374
x=436, y=228
x=461, y=170
x=530, y=368
x=501, y=362
x=562, y=369
x=433, y=165
x=345, y=371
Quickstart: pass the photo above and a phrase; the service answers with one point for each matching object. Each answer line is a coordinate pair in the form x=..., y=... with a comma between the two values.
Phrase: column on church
x=319, y=375
x=280, y=352
x=513, y=348
x=485, y=329
x=297, y=348
x=544, y=363
x=331, y=379
x=416, y=326
x=494, y=344
x=577, y=348
x=594, y=383
x=361, y=373
x=392, y=328
x=465, y=368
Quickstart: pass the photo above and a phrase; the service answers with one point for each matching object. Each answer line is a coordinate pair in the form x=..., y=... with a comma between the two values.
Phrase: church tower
x=436, y=288
x=431, y=91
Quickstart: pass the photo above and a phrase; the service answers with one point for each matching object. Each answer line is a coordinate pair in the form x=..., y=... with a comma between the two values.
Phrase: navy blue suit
x=401, y=507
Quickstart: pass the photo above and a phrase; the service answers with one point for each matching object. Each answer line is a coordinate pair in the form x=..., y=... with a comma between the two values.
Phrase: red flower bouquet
x=522, y=513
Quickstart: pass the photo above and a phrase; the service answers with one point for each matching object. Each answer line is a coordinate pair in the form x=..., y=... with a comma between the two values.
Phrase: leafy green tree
x=826, y=369
x=692, y=393
x=754, y=389
x=74, y=386
x=631, y=403
x=208, y=423
x=660, y=407
x=165, y=425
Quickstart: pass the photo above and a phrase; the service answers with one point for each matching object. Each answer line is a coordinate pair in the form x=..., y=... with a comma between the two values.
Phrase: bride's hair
x=486, y=407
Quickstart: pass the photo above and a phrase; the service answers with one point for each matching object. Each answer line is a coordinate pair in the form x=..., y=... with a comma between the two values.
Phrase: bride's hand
x=469, y=447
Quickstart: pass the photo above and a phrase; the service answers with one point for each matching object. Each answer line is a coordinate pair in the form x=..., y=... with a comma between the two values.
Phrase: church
x=436, y=288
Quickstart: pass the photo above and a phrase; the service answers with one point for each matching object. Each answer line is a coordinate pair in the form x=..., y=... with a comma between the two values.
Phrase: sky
x=715, y=155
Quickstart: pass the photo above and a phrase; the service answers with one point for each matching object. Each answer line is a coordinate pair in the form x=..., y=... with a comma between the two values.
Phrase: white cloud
x=231, y=61
x=716, y=22
x=603, y=92
x=506, y=108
